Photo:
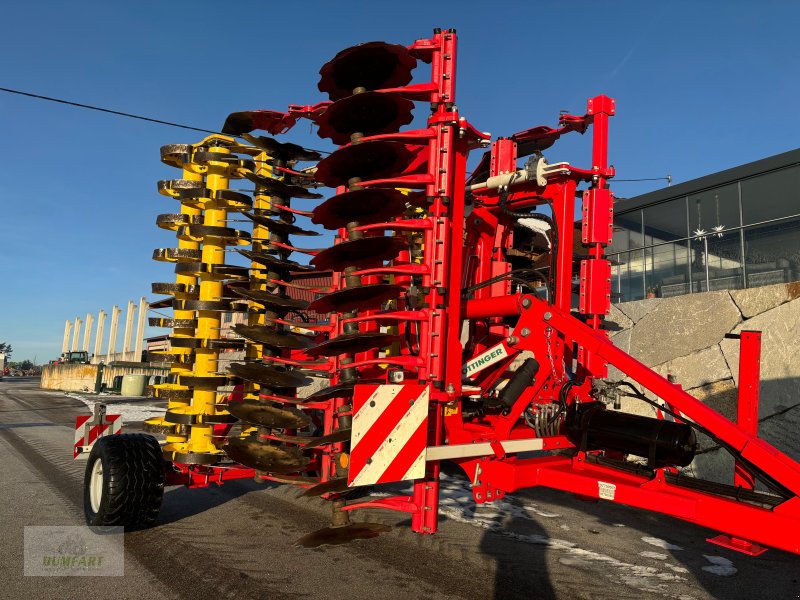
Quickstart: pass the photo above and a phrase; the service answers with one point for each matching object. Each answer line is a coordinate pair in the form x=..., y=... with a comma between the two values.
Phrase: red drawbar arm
x=757, y=452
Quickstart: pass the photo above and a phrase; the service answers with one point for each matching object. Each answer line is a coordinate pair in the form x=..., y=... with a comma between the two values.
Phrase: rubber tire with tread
x=133, y=481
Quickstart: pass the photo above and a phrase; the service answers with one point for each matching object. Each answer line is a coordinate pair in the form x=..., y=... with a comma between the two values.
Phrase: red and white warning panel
x=390, y=433
x=88, y=428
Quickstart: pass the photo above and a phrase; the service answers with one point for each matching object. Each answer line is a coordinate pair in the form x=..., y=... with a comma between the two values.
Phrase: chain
x=548, y=332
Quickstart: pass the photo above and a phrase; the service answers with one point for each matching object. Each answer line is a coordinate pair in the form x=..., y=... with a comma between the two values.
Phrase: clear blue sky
x=700, y=86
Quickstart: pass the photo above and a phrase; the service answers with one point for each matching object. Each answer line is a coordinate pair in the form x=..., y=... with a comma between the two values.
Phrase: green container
x=133, y=385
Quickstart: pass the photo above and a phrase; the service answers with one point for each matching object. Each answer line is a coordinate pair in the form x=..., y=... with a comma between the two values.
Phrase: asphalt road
x=236, y=541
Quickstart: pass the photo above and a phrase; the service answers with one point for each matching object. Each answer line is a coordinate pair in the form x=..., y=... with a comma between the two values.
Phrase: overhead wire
x=668, y=179
x=120, y=113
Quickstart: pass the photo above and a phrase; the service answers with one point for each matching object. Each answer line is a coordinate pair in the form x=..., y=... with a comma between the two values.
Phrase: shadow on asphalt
x=19, y=425
x=7, y=379
x=181, y=503
x=525, y=575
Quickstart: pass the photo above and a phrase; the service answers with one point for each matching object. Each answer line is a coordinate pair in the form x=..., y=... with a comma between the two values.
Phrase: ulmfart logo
x=68, y=551
x=71, y=561
x=72, y=553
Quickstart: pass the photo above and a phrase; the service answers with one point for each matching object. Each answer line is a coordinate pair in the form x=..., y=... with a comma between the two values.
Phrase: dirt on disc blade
x=274, y=417
x=365, y=297
x=268, y=376
x=258, y=454
x=367, y=206
x=357, y=253
x=267, y=336
x=352, y=343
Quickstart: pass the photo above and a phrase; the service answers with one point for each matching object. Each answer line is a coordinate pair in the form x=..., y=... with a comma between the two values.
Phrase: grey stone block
x=698, y=368
x=782, y=432
x=720, y=395
x=637, y=309
x=681, y=325
x=780, y=356
x=755, y=301
x=616, y=321
x=621, y=340
x=714, y=465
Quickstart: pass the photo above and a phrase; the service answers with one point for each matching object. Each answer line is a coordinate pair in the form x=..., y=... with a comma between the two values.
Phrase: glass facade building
x=733, y=229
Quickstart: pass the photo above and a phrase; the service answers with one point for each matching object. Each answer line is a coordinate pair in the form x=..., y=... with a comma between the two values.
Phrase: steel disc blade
x=367, y=206
x=343, y=389
x=257, y=454
x=367, y=160
x=171, y=289
x=299, y=440
x=274, y=339
x=278, y=188
x=365, y=297
x=352, y=343
x=293, y=480
x=354, y=253
x=373, y=65
x=176, y=154
x=176, y=255
x=370, y=113
x=285, y=151
x=275, y=226
x=271, y=300
x=238, y=122
x=338, y=436
x=174, y=220
x=332, y=486
x=336, y=536
x=262, y=413
x=268, y=376
x=273, y=262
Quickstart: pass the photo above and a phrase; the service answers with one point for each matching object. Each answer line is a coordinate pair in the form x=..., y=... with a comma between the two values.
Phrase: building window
x=772, y=253
x=715, y=246
x=666, y=257
x=771, y=196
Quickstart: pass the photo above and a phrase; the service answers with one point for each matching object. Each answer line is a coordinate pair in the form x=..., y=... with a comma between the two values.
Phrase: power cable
x=118, y=113
x=668, y=179
x=105, y=110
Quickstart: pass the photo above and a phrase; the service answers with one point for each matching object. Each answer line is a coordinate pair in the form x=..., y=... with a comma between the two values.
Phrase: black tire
x=129, y=480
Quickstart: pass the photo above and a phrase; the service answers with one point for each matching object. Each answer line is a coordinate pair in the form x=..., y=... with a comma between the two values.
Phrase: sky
x=700, y=86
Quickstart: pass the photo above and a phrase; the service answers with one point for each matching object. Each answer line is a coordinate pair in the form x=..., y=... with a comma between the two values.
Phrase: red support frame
x=465, y=239
x=747, y=421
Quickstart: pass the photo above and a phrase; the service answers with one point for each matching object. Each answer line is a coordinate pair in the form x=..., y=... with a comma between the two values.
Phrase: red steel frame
x=566, y=346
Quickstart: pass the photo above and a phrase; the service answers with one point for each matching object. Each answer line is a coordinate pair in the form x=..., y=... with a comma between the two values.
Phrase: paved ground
x=236, y=541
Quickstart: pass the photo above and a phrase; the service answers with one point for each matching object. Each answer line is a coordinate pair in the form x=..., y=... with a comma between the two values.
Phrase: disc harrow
x=407, y=350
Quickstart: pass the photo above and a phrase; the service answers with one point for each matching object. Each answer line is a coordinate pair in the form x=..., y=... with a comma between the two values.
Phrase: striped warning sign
x=90, y=427
x=390, y=433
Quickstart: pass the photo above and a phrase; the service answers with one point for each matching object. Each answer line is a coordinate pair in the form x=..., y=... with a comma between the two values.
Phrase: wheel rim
x=96, y=485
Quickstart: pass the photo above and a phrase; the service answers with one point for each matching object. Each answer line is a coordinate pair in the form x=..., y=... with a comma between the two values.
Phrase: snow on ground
x=720, y=566
x=653, y=555
x=456, y=503
x=130, y=412
x=659, y=543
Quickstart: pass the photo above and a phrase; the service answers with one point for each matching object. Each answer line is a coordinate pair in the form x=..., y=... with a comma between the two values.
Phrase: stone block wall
x=685, y=336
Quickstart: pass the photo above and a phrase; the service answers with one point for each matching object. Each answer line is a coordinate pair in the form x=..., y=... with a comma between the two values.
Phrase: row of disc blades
x=283, y=432
x=353, y=80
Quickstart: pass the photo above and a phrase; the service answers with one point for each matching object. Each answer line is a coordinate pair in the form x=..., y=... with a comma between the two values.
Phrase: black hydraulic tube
x=590, y=426
x=521, y=379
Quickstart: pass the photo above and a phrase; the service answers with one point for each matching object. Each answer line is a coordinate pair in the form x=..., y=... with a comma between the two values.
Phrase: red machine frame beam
x=757, y=452
x=574, y=475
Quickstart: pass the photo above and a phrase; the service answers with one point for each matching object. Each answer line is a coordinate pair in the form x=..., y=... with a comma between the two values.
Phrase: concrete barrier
x=83, y=378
